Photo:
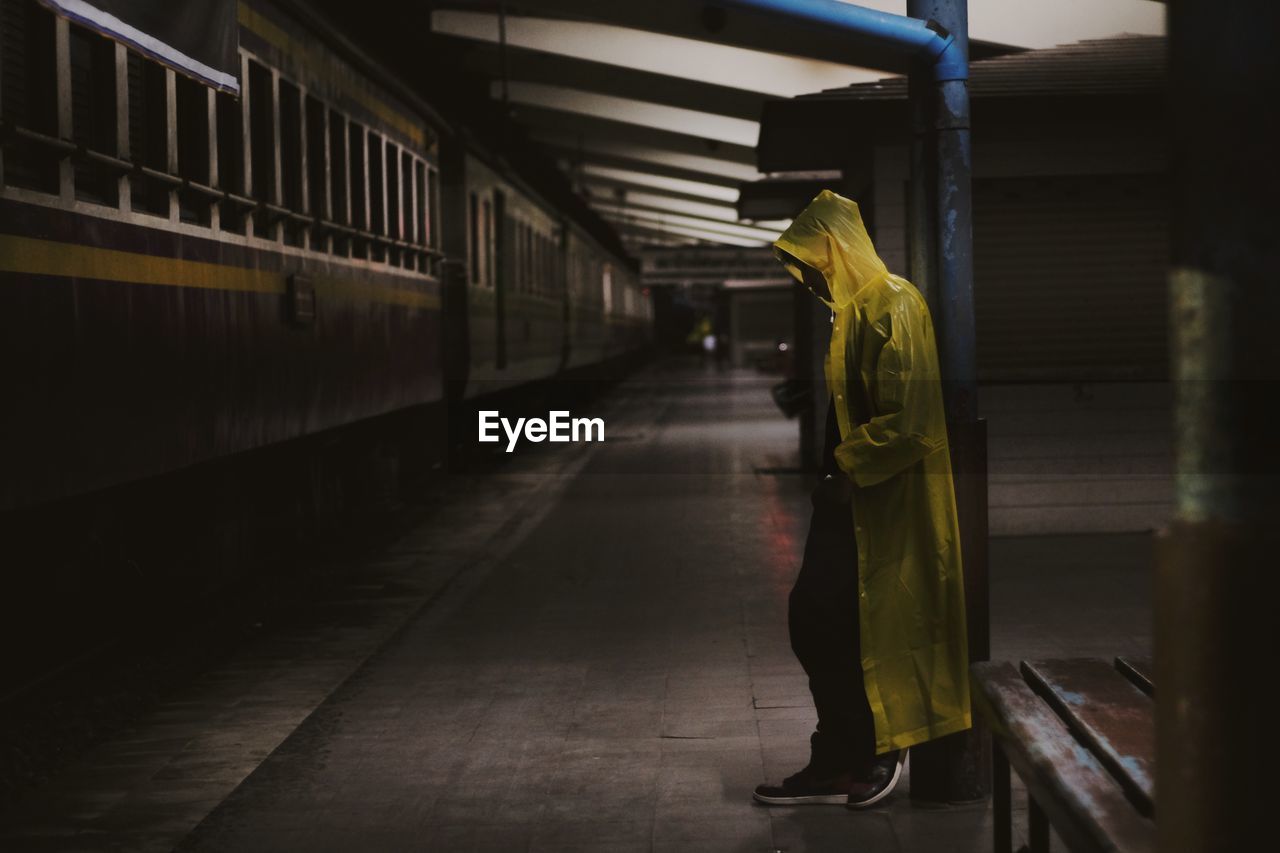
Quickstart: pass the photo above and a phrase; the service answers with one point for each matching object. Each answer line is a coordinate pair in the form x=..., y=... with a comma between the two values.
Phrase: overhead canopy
x=652, y=110
x=198, y=40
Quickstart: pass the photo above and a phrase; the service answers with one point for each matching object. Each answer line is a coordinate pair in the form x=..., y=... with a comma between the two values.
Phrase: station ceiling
x=651, y=109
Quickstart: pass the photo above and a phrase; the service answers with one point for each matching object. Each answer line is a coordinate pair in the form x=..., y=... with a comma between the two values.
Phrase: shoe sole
x=888, y=789
x=814, y=800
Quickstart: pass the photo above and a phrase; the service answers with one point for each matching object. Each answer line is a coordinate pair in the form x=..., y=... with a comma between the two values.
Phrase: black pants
x=823, y=620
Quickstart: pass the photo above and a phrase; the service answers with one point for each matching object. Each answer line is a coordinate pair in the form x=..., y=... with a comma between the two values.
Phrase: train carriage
x=195, y=273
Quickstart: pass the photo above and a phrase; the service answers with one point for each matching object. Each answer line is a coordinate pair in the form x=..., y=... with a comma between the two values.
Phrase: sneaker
x=804, y=788
x=879, y=783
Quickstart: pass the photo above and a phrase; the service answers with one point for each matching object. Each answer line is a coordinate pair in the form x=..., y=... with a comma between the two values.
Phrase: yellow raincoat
x=882, y=373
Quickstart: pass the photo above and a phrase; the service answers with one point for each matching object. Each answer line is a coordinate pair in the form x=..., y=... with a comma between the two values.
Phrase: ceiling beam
x=660, y=228
x=571, y=161
x=624, y=155
x=637, y=185
x=554, y=69
x=675, y=186
x=654, y=235
x=757, y=236
x=648, y=199
x=725, y=129
x=764, y=72
x=540, y=119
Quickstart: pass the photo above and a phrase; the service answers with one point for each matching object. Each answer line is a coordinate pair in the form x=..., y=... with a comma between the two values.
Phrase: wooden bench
x=1081, y=734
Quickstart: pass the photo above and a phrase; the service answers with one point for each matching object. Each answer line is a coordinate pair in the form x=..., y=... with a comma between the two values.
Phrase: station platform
x=584, y=649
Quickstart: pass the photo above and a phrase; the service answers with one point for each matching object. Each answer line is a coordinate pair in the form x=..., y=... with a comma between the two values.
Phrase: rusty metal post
x=955, y=768
x=1216, y=588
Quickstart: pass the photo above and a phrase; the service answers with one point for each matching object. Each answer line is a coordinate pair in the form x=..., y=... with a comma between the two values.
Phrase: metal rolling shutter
x=1069, y=277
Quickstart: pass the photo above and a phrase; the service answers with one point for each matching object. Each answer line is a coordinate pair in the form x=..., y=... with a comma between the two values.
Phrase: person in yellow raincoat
x=877, y=613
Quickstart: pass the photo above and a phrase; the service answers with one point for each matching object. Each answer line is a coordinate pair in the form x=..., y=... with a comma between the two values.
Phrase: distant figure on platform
x=877, y=612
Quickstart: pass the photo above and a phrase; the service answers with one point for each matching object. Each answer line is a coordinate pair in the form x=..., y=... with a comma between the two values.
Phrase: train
x=191, y=276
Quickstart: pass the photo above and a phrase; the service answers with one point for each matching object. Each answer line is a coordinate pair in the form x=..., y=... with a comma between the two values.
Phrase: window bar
x=171, y=140
x=343, y=164
x=364, y=184
x=381, y=142
x=211, y=132
x=413, y=209
x=122, y=124
x=62, y=66
x=277, y=187
x=307, y=235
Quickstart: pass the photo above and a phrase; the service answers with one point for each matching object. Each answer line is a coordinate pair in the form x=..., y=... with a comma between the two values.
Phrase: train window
x=408, y=229
x=552, y=283
x=473, y=235
x=539, y=279
x=291, y=160
x=192, y=101
x=338, y=178
x=528, y=258
x=420, y=182
x=547, y=278
x=317, y=161
x=230, y=120
x=487, y=224
x=606, y=287
x=513, y=255
x=359, y=188
x=548, y=260
x=551, y=266
x=433, y=205
x=262, y=147
x=542, y=264
x=148, y=133
x=93, y=113
x=509, y=234
x=377, y=196
x=393, y=200
x=29, y=100
x=522, y=282
x=535, y=283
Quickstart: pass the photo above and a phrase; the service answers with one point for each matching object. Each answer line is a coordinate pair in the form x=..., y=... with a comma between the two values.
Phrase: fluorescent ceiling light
x=674, y=119
x=747, y=232
x=674, y=56
x=661, y=182
x=684, y=231
x=606, y=194
x=647, y=154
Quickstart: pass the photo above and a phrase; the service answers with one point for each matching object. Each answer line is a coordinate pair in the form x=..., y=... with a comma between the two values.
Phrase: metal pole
x=1216, y=588
x=955, y=768
x=921, y=226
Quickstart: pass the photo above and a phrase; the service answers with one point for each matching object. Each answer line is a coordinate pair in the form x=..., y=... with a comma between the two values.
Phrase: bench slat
x=1084, y=802
x=1139, y=671
x=1112, y=717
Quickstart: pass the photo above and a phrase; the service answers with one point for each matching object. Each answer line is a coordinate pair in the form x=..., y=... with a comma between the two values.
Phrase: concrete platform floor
x=586, y=651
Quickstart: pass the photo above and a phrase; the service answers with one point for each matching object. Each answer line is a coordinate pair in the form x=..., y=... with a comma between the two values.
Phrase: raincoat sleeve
x=901, y=430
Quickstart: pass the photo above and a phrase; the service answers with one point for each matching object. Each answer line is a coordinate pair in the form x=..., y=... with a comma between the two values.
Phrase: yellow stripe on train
x=31, y=256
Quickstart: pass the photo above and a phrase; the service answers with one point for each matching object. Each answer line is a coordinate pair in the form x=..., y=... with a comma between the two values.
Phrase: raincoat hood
x=829, y=236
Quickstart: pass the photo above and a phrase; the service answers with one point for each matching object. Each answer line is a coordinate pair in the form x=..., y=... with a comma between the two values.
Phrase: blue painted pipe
x=913, y=36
